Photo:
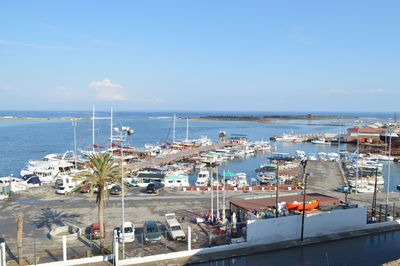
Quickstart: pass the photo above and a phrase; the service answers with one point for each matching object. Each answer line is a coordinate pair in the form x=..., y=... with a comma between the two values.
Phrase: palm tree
x=103, y=169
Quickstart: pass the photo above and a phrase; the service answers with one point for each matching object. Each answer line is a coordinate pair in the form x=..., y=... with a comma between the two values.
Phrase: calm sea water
x=368, y=250
x=25, y=140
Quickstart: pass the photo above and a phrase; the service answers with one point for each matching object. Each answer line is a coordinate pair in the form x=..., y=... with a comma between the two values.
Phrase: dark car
x=116, y=190
x=154, y=187
x=151, y=232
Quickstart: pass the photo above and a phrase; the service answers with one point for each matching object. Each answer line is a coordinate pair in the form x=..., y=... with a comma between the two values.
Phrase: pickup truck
x=173, y=227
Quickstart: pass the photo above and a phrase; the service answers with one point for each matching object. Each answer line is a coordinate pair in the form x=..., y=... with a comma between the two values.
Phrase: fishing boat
x=289, y=138
x=299, y=206
x=320, y=141
x=176, y=179
x=203, y=178
x=242, y=179
x=266, y=178
x=266, y=167
x=279, y=156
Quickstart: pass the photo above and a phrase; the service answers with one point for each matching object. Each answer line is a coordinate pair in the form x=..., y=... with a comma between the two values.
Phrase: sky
x=200, y=55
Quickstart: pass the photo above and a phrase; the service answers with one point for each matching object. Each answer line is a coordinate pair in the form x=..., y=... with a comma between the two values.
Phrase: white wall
x=265, y=231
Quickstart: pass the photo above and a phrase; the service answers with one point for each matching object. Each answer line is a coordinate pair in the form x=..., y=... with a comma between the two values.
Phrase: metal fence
x=382, y=213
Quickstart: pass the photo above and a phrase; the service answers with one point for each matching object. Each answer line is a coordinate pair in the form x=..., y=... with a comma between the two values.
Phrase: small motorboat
x=310, y=205
x=398, y=187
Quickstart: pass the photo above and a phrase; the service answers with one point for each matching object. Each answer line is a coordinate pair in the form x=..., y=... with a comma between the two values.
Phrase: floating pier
x=184, y=154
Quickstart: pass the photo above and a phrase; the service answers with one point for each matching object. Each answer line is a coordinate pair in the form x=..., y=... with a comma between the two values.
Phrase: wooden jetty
x=180, y=155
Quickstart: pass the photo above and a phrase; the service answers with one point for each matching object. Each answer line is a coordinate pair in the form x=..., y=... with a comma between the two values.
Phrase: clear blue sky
x=200, y=55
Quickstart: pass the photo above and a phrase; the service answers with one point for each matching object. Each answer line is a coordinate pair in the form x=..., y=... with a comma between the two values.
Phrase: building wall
x=266, y=231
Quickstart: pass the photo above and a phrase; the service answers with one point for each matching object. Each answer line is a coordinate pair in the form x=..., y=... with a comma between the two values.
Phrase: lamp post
x=304, y=164
x=127, y=132
x=390, y=130
x=358, y=153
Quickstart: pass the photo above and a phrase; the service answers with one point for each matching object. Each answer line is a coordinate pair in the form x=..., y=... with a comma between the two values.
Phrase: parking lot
x=44, y=210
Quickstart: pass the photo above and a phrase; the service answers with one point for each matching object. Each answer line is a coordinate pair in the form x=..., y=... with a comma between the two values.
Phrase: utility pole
x=304, y=164
x=390, y=129
x=212, y=195
x=358, y=153
x=374, y=196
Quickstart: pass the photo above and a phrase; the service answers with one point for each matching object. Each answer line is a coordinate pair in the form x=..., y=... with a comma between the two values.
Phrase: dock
x=184, y=154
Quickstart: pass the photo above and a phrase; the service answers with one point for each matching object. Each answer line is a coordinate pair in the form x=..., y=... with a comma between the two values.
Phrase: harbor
x=236, y=169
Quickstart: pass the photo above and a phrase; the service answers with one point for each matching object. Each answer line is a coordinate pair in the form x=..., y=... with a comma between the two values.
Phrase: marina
x=224, y=170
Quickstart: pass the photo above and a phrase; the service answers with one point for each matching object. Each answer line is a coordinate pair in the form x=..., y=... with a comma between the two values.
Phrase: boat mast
x=93, y=118
x=173, y=131
x=339, y=136
x=187, y=129
x=74, y=124
x=111, y=128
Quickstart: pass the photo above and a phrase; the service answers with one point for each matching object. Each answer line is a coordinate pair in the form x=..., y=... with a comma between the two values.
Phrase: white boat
x=365, y=189
x=320, y=141
x=301, y=154
x=289, y=138
x=143, y=178
x=203, y=178
x=15, y=184
x=48, y=170
x=176, y=179
x=242, y=179
x=382, y=157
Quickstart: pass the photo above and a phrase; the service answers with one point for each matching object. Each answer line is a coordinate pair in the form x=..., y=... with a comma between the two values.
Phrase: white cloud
x=298, y=38
x=105, y=83
x=43, y=46
x=352, y=92
x=145, y=100
x=106, y=90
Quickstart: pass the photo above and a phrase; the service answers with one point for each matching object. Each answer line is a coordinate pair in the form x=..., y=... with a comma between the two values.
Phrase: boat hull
x=299, y=206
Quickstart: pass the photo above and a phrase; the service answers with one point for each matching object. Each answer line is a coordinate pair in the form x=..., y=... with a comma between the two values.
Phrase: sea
x=24, y=140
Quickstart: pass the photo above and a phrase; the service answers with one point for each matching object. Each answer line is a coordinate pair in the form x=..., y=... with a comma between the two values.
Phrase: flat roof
x=264, y=203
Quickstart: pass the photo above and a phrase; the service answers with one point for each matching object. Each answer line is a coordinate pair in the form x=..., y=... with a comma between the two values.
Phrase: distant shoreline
x=42, y=118
x=270, y=119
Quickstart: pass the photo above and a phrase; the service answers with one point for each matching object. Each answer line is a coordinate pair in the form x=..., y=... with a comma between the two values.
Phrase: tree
x=103, y=169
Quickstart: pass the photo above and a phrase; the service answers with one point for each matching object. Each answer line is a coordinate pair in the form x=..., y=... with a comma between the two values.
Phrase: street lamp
x=390, y=131
x=128, y=131
x=358, y=152
x=303, y=163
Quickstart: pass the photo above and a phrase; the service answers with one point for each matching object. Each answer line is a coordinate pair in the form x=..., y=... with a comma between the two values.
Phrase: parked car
x=151, y=232
x=95, y=231
x=86, y=188
x=155, y=187
x=173, y=227
x=116, y=190
x=129, y=235
x=64, y=190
